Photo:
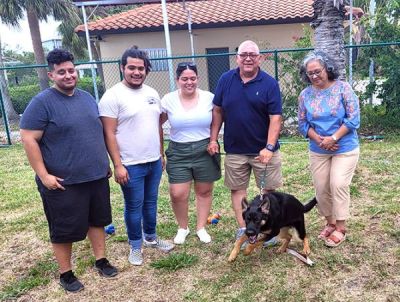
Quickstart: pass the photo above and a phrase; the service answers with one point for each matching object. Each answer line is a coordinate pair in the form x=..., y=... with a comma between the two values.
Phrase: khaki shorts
x=238, y=168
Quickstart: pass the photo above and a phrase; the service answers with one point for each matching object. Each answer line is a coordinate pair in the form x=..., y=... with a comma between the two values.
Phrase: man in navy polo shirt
x=248, y=101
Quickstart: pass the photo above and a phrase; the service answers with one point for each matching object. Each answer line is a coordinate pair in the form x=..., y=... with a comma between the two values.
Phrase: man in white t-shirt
x=130, y=112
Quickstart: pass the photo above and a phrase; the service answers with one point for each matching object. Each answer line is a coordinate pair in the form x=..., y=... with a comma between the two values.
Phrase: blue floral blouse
x=326, y=110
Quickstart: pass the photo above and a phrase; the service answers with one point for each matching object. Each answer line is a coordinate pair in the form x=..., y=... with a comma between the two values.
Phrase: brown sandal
x=327, y=231
x=336, y=238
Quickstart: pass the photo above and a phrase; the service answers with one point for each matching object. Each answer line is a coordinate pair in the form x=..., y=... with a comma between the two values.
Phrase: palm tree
x=70, y=40
x=329, y=32
x=12, y=11
x=76, y=44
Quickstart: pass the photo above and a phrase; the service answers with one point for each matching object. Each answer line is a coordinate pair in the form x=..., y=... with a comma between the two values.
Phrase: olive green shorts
x=191, y=161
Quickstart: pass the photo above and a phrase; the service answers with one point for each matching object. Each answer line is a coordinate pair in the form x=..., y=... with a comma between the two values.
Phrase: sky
x=20, y=38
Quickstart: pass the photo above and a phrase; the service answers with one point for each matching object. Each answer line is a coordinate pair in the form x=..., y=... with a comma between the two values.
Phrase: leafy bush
x=22, y=95
x=387, y=58
x=379, y=119
x=86, y=83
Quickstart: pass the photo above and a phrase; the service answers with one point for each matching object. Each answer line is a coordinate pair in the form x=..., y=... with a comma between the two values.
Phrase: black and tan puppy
x=270, y=215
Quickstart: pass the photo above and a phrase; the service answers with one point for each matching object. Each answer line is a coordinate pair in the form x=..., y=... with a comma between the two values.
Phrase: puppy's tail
x=307, y=207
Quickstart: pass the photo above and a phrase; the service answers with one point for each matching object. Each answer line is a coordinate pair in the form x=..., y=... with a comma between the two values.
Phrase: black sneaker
x=70, y=283
x=105, y=269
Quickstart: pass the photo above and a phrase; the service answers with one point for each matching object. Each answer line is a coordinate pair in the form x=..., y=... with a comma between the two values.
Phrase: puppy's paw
x=306, y=251
x=281, y=249
x=233, y=255
x=306, y=247
x=249, y=249
x=232, y=258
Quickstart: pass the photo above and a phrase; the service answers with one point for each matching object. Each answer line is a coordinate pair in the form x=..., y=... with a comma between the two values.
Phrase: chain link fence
x=21, y=82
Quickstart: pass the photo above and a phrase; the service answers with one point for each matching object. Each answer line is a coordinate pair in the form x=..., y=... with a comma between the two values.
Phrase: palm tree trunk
x=329, y=32
x=33, y=22
x=8, y=106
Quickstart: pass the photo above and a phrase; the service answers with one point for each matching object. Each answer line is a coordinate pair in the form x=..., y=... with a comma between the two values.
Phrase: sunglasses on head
x=186, y=65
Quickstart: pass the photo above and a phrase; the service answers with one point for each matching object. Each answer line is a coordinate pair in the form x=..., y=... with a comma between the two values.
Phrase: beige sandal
x=327, y=231
x=336, y=238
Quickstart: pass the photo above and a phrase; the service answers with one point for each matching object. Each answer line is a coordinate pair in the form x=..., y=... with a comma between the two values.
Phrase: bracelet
x=213, y=142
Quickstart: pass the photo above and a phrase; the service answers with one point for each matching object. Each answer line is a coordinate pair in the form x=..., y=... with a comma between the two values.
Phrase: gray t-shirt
x=72, y=144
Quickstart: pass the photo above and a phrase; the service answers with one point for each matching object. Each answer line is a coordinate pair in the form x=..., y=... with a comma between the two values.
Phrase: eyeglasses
x=186, y=65
x=245, y=55
x=314, y=73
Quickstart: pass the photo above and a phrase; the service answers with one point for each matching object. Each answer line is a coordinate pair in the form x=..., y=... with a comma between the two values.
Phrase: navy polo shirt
x=246, y=108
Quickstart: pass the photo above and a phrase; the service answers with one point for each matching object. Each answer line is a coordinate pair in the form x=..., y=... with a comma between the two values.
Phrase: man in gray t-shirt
x=63, y=139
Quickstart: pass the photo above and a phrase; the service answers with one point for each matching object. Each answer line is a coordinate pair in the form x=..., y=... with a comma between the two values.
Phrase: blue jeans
x=140, y=195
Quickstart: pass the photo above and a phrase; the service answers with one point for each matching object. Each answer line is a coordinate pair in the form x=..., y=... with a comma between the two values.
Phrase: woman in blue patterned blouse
x=329, y=115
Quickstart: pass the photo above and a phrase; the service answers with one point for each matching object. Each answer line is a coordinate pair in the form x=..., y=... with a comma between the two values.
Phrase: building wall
x=267, y=37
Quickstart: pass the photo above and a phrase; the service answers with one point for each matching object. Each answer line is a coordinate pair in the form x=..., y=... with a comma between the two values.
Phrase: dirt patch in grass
x=134, y=283
x=18, y=253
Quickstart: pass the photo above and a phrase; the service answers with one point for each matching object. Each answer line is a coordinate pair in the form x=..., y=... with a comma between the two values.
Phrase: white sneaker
x=162, y=245
x=271, y=242
x=135, y=257
x=203, y=235
x=181, y=236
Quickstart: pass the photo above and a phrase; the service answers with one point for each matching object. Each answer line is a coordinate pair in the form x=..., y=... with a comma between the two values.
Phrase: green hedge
x=21, y=95
x=378, y=119
x=86, y=83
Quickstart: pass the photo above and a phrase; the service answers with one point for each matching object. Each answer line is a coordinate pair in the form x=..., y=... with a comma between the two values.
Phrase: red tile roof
x=205, y=14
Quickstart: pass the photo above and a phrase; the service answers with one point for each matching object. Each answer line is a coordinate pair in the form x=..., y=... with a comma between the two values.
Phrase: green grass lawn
x=365, y=268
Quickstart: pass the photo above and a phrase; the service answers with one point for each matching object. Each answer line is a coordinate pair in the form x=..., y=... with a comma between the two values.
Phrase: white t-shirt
x=138, y=112
x=188, y=125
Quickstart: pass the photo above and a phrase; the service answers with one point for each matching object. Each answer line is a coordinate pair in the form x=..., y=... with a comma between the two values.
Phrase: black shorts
x=69, y=213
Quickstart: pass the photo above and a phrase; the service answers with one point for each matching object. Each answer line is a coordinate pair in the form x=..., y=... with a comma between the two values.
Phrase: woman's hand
x=163, y=162
x=328, y=143
x=213, y=147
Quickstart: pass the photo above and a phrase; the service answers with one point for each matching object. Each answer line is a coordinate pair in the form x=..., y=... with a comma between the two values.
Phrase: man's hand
x=121, y=175
x=213, y=148
x=109, y=173
x=264, y=156
x=52, y=182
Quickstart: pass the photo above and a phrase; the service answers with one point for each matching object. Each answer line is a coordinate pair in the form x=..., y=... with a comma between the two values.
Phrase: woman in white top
x=189, y=112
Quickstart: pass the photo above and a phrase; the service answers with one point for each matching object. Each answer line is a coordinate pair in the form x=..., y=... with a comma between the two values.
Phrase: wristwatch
x=334, y=137
x=270, y=147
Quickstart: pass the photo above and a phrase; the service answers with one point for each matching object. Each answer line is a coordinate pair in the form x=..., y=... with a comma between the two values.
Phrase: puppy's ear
x=264, y=205
x=245, y=204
